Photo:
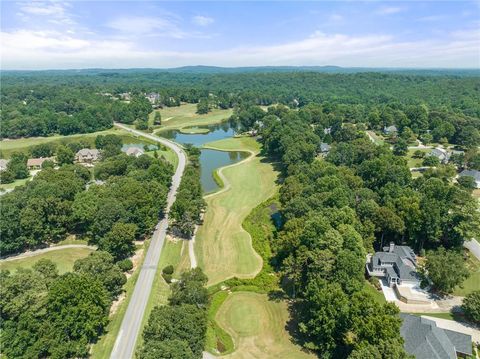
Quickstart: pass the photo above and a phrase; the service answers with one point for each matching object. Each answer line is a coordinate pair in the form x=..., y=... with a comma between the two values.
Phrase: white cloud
x=53, y=12
x=37, y=50
x=202, y=20
x=389, y=10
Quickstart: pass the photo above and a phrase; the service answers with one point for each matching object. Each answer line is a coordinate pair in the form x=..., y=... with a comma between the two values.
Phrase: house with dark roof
x=423, y=339
x=396, y=264
x=472, y=173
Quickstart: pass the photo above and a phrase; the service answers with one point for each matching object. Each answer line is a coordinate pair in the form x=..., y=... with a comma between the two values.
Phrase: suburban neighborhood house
x=425, y=340
x=36, y=163
x=390, y=130
x=472, y=173
x=134, y=151
x=442, y=155
x=396, y=264
x=87, y=155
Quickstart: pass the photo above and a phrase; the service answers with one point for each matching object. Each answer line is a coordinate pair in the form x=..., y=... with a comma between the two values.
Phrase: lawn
x=185, y=116
x=377, y=294
x=472, y=283
x=8, y=186
x=377, y=139
x=223, y=248
x=63, y=258
x=257, y=326
x=415, y=162
x=447, y=315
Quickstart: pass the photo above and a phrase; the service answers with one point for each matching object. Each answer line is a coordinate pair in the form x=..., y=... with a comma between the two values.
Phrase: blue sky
x=124, y=34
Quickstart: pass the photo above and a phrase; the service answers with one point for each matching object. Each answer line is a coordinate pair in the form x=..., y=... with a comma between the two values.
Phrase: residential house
x=324, y=148
x=442, y=155
x=424, y=340
x=36, y=163
x=153, y=97
x=396, y=264
x=87, y=155
x=390, y=130
x=327, y=130
x=3, y=164
x=472, y=173
x=134, y=151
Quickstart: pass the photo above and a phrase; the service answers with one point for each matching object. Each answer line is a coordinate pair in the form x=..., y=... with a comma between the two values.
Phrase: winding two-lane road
x=130, y=328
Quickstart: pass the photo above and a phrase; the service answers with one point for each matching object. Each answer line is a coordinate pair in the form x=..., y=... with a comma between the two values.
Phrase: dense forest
x=45, y=103
x=338, y=208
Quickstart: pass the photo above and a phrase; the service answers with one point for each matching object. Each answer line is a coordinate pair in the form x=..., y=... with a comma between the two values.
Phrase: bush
x=168, y=270
x=375, y=282
x=431, y=161
x=125, y=265
x=471, y=306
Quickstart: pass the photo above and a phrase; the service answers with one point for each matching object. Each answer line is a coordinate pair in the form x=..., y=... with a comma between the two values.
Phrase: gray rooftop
x=472, y=173
x=324, y=147
x=425, y=340
x=404, y=259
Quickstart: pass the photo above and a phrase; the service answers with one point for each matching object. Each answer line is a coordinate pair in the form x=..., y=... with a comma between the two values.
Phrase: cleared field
x=63, y=258
x=415, y=162
x=186, y=116
x=223, y=248
x=257, y=327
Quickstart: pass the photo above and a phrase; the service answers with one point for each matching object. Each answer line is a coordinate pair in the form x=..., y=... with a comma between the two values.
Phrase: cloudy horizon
x=73, y=35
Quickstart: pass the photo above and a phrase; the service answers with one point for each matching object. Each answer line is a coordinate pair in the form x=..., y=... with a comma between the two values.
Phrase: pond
x=210, y=160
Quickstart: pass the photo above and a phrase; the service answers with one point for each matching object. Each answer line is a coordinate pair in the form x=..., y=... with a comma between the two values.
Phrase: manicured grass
x=8, y=186
x=447, y=315
x=378, y=294
x=7, y=147
x=415, y=162
x=472, y=283
x=377, y=139
x=193, y=130
x=223, y=248
x=218, y=340
x=168, y=155
x=63, y=258
x=185, y=116
x=257, y=326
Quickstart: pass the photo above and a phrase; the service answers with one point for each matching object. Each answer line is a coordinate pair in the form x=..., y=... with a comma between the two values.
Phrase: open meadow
x=223, y=248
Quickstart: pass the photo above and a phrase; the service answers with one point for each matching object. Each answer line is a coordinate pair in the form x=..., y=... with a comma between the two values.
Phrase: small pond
x=210, y=160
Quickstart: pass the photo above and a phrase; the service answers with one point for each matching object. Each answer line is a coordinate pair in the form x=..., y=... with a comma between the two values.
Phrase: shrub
x=471, y=306
x=125, y=265
x=168, y=270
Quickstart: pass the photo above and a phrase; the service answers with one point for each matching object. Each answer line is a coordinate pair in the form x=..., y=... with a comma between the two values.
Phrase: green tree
x=167, y=349
x=157, y=118
x=64, y=155
x=471, y=306
x=400, y=148
x=100, y=265
x=18, y=166
x=446, y=269
x=190, y=289
x=431, y=161
x=119, y=242
x=203, y=106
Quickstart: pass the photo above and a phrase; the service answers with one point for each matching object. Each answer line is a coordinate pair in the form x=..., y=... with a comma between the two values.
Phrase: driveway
x=474, y=247
x=460, y=327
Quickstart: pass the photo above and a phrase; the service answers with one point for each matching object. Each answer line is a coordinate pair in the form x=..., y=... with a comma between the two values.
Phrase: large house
x=134, y=151
x=36, y=163
x=390, y=130
x=425, y=340
x=397, y=264
x=442, y=155
x=472, y=173
x=87, y=155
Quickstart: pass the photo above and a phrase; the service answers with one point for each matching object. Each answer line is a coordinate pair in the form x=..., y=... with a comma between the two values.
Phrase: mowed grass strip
x=257, y=326
x=63, y=258
x=223, y=248
x=186, y=115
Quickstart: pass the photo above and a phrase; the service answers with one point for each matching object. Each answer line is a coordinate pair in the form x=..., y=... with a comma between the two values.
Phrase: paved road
x=45, y=250
x=130, y=328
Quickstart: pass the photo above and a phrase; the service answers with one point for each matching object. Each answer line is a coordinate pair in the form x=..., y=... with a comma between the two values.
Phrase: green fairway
x=223, y=248
x=257, y=326
x=185, y=116
x=63, y=258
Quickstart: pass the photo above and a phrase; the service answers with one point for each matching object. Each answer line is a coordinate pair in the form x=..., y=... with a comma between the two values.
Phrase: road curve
x=44, y=250
x=127, y=336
